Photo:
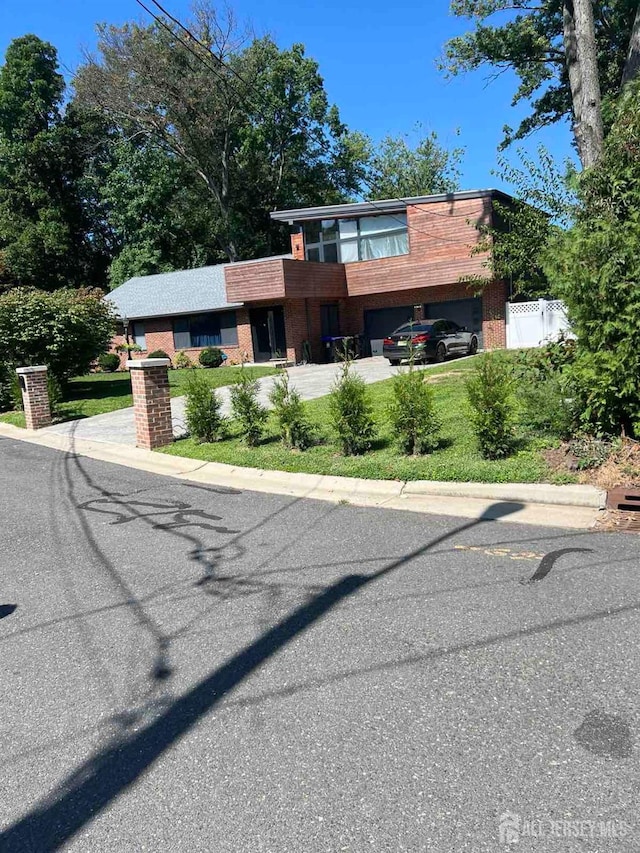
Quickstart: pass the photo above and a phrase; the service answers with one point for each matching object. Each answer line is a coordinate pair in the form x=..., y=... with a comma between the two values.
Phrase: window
x=205, y=330
x=139, y=336
x=364, y=239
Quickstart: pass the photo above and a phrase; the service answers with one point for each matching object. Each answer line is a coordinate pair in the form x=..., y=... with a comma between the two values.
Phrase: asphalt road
x=186, y=668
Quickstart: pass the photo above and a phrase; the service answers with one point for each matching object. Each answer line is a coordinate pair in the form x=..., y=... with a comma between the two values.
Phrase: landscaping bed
x=456, y=458
x=98, y=393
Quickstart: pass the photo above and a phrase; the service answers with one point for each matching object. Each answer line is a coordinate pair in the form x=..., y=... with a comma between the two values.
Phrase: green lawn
x=98, y=393
x=456, y=460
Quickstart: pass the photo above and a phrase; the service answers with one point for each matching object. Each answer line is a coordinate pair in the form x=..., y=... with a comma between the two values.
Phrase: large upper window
x=363, y=239
x=205, y=330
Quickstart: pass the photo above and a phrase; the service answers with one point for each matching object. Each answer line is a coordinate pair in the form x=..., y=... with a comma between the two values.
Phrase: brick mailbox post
x=35, y=396
x=151, y=402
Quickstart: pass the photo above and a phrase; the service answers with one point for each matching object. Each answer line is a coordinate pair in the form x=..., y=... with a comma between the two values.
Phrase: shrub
x=412, y=413
x=158, y=353
x=181, y=360
x=548, y=406
x=211, y=357
x=489, y=393
x=249, y=413
x=351, y=412
x=6, y=382
x=108, y=361
x=295, y=430
x=66, y=330
x=591, y=452
x=203, y=410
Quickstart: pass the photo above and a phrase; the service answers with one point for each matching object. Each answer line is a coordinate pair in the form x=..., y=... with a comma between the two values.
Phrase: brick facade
x=159, y=336
x=35, y=396
x=151, y=402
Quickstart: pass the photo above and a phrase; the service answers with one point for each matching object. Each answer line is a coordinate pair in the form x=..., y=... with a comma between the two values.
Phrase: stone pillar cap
x=141, y=363
x=38, y=368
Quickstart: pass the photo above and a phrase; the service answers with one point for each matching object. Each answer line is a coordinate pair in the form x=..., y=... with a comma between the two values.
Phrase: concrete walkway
x=311, y=381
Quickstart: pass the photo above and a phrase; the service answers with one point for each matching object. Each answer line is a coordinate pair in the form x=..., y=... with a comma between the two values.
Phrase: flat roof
x=392, y=205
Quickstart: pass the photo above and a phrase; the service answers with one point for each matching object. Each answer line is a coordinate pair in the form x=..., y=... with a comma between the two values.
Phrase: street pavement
x=192, y=668
x=311, y=381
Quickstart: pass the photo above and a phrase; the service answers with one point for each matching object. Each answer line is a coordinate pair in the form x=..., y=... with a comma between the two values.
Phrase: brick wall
x=159, y=335
x=297, y=246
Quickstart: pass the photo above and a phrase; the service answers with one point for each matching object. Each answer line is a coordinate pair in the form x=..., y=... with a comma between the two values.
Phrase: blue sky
x=378, y=60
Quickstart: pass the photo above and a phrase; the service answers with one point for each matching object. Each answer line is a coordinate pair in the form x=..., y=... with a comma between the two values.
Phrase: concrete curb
x=573, y=506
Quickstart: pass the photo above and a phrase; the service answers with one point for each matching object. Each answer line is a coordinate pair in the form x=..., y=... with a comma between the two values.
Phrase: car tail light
x=387, y=342
x=420, y=339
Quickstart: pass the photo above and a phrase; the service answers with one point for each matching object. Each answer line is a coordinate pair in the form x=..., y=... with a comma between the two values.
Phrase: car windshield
x=412, y=329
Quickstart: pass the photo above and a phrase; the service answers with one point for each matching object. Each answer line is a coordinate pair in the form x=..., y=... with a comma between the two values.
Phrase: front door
x=267, y=333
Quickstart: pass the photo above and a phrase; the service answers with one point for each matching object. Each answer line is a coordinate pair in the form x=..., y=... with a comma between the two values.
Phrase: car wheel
x=473, y=346
x=394, y=362
x=441, y=352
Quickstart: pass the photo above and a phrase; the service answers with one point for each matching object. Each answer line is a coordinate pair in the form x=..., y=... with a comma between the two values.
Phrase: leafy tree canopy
x=527, y=37
x=400, y=169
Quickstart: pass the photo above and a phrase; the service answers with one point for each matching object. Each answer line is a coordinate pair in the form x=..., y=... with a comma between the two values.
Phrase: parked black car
x=430, y=340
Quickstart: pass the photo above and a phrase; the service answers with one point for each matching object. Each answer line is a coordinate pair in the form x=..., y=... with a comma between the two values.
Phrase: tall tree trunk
x=573, y=72
x=592, y=130
x=632, y=65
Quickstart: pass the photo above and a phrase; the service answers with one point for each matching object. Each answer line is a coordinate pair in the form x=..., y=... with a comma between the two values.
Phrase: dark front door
x=267, y=332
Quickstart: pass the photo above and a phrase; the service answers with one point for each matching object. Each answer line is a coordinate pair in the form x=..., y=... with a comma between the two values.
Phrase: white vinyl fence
x=530, y=324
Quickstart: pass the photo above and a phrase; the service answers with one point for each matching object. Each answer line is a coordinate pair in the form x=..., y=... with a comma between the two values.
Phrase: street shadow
x=7, y=610
x=93, y=785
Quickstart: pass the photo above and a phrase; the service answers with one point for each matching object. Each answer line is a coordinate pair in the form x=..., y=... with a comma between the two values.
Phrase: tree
x=65, y=330
x=595, y=267
x=398, y=169
x=553, y=53
x=250, y=122
x=47, y=237
x=517, y=239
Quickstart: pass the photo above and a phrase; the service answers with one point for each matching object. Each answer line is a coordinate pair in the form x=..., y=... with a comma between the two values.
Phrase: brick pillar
x=35, y=396
x=151, y=402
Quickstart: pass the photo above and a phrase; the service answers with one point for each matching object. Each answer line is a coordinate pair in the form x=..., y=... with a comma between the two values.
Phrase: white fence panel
x=531, y=324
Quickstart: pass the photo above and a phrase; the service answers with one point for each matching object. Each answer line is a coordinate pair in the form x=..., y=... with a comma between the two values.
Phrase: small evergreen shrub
x=211, y=357
x=158, y=353
x=412, y=413
x=203, y=410
x=489, y=393
x=181, y=360
x=247, y=410
x=108, y=362
x=351, y=412
x=295, y=430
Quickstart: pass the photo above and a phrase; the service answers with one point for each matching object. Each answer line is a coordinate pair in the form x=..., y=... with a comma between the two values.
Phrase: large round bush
x=211, y=357
x=66, y=330
x=109, y=362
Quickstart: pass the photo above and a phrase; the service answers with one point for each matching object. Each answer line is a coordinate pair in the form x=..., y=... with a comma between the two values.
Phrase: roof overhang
x=394, y=205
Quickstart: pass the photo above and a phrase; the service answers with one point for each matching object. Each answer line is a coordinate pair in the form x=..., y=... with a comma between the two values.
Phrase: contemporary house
x=354, y=269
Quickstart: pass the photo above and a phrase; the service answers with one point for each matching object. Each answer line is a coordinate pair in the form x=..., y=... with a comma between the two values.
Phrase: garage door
x=464, y=312
x=381, y=322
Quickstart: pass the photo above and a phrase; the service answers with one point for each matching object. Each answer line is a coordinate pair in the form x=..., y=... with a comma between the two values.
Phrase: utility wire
x=249, y=85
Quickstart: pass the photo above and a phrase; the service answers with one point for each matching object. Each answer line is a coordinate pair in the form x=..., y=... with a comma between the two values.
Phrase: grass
x=98, y=393
x=457, y=458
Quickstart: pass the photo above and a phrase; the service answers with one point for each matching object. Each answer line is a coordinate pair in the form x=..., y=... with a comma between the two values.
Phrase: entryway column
x=151, y=402
x=35, y=396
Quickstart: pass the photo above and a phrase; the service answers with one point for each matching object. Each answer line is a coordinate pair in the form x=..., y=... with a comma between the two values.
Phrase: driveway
x=188, y=668
x=312, y=381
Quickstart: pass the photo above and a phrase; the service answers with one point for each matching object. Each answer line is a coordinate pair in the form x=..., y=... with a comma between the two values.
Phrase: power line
x=249, y=85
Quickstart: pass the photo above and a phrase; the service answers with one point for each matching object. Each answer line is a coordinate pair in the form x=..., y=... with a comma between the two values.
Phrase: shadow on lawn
x=117, y=385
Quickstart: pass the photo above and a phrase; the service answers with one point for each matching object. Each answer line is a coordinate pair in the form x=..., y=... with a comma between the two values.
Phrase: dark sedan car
x=429, y=340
